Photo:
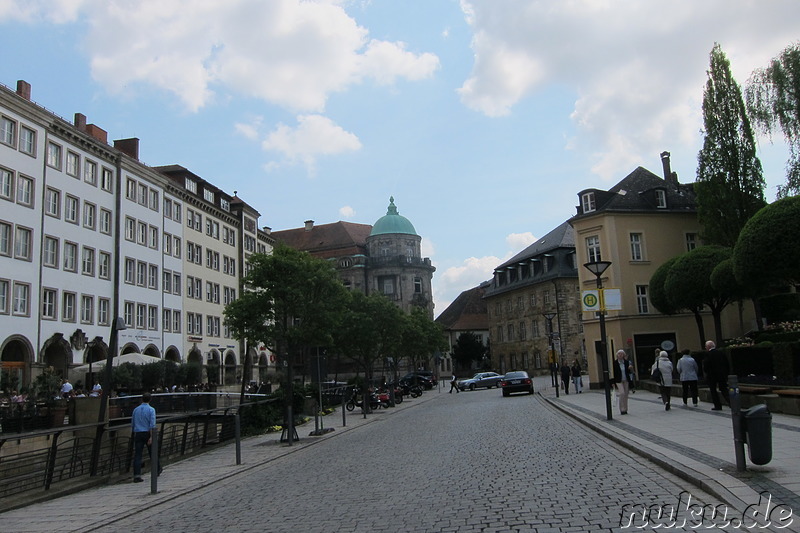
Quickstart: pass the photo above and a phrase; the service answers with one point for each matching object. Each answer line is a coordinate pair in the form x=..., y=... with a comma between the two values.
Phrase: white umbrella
x=135, y=358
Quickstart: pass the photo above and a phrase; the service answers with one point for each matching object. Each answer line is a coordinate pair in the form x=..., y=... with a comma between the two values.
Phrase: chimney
x=80, y=122
x=128, y=146
x=97, y=132
x=24, y=89
x=309, y=225
x=669, y=175
x=267, y=230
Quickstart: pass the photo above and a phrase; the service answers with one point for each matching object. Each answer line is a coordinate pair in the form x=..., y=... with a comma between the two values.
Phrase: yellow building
x=637, y=225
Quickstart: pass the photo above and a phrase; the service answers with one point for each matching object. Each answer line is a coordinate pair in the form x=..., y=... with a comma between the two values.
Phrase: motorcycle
x=356, y=400
x=409, y=389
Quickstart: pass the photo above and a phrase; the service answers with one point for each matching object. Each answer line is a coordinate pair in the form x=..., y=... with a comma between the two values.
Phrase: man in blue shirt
x=143, y=421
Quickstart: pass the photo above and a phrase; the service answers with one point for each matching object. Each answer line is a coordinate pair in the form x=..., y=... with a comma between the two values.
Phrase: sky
x=482, y=118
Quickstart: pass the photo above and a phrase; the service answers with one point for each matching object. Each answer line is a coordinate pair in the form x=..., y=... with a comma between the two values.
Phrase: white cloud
x=347, y=212
x=250, y=129
x=292, y=53
x=520, y=241
x=637, y=68
x=313, y=136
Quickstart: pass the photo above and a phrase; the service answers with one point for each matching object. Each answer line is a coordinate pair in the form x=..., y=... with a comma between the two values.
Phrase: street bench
x=790, y=400
x=745, y=389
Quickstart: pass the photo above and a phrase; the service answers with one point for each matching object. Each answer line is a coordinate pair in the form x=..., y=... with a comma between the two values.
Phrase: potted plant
x=46, y=390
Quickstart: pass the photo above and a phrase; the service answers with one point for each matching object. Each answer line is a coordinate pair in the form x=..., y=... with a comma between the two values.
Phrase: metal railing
x=37, y=461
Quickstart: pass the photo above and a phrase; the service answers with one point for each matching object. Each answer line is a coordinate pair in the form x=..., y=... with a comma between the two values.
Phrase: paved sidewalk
x=694, y=443
x=91, y=509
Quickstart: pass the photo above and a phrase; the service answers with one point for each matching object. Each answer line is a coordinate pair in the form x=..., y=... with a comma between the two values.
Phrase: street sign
x=596, y=300
x=590, y=300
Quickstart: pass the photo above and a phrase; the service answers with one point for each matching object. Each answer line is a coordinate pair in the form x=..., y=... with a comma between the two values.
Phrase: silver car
x=481, y=379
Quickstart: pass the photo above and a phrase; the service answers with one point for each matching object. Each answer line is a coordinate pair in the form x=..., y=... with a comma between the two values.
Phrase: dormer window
x=208, y=195
x=190, y=185
x=661, y=198
x=588, y=202
x=224, y=204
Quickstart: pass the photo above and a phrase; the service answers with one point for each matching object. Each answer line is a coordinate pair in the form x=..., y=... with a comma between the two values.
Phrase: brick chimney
x=128, y=146
x=309, y=225
x=80, y=122
x=24, y=89
x=669, y=175
x=97, y=132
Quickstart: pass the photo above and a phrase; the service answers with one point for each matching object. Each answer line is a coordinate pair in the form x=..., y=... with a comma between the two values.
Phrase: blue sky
x=483, y=118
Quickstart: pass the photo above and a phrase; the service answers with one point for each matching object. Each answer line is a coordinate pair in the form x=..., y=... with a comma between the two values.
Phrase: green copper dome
x=392, y=222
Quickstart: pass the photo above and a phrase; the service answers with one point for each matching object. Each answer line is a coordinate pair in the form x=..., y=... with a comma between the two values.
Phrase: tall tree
x=291, y=301
x=730, y=184
x=422, y=337
x=660, y=299
x=773, y=99
x=468, y=348
x=688, y=283
x=370, y=330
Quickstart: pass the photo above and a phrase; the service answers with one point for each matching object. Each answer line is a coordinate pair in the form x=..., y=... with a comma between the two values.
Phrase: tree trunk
x=700, y=328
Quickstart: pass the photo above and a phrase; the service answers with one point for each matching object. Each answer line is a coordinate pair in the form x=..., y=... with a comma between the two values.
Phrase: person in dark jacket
x=577, y=381
x=565, y=372
x=716, y=369
x=622, y=370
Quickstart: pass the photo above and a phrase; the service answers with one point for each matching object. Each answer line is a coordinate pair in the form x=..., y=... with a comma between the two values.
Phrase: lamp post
x=597, y=268
x=549, y=317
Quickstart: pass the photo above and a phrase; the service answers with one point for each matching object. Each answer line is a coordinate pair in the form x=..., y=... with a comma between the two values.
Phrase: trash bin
x=757, y=425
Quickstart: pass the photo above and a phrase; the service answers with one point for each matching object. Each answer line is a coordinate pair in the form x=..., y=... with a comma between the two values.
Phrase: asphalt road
x=473, y=461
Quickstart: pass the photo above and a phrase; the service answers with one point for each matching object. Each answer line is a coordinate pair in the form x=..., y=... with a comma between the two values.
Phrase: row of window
x=142, y=194
x=589, y=203
x=92, y=218
x=54, y=255
x=16, y=187
x=67, y=309
x=520, y=303
x=194, y=220
x=636, y=242
x=194, y=325
x=15, y=297
x=9, y=129
x=73, y=165
x=194, y=289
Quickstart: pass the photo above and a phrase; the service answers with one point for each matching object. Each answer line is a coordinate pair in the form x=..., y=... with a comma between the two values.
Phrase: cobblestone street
x=463, y=462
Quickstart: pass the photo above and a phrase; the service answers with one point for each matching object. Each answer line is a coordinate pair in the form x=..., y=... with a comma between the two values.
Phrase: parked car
x=421, y=377
x=481, y=379
x=517, y=381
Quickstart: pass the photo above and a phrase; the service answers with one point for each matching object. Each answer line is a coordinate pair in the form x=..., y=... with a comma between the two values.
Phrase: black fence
x=35, y=462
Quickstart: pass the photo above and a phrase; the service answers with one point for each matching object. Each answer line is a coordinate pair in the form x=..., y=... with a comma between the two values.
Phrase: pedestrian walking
x=565, y=373
x=143, y=421
x=577, y=381
x=621, y=381
x=716, y=369
x=687, y=372
x=554, y=373
x=664, y=366
x=631, y=375
x=454, y=384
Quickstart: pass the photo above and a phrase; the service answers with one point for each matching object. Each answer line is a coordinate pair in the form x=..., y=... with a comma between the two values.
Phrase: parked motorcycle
x=357, y=400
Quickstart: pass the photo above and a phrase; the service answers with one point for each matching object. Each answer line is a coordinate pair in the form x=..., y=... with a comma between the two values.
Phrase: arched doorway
x=15, y=360
x=213, y=367
x=172, y=355
x=96, y=352
x=152, y=351
x=130, y=348
x=230, y=368
x=57, y=353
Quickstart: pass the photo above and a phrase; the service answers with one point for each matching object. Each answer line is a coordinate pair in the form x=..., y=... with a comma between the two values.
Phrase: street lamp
x=549, y=317
x=597, y=268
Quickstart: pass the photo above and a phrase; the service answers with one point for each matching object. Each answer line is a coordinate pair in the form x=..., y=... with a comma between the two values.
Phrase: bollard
x=154, y=462
x=344, y=416
x=237, y=432
x=736, y=419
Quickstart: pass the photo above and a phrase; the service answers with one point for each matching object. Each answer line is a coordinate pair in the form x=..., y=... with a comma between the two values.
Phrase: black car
x=421, y=377
x=517, y=381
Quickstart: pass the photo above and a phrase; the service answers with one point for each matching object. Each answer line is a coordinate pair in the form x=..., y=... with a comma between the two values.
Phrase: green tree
x=730, y=184
x=370, y=330
x=468, y=348
x=688, y=283
x=422, y=338
x=768, y=252
x=291, y=301
x=660, y=299
x=773, y=99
